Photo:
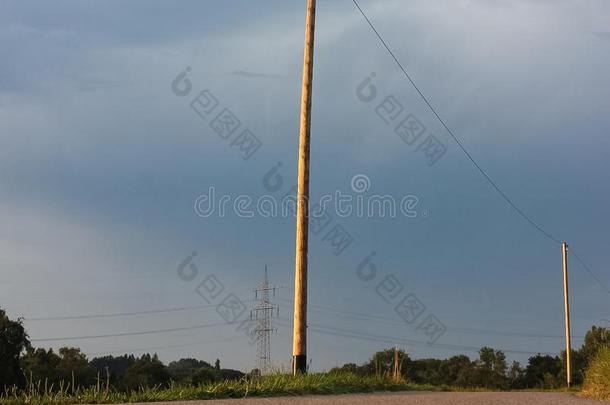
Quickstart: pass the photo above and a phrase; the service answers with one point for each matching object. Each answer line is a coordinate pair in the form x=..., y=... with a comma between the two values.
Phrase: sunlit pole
x=566, y=302
x=299, y=342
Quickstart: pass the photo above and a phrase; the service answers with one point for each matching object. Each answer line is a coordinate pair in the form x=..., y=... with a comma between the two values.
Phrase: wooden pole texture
x=299, y=343
x=566, y=302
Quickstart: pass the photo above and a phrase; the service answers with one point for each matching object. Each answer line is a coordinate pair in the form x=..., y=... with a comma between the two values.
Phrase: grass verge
x=597, y=376
x=267, y=386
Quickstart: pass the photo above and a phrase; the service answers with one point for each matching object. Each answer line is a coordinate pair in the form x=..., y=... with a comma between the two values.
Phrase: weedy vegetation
x=265, y=386
x=597, y=376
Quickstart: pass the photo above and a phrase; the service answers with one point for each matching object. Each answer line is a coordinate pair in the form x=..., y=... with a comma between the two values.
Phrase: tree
x=74, y=368
x=499, y=363
x=230, y=374
x=516, y=376
x=595, y=338
x=381, y=362
x=70, y=366
x=351, y=368
x=487, y=358
x=468, y=375
x=114, y=367
x=147, y=371
x=204, y=375
x=184, y=370
x=13, y=341
x=492, y=367
x=454, y=371
x=40, y=365
x=579, y=365
x=539, y=370
x=217, y=365
x=423, y=371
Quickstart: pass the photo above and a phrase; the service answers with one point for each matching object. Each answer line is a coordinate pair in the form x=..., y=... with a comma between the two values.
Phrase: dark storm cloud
x=97, y=147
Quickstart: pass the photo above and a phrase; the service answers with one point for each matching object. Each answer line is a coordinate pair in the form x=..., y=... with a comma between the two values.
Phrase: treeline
x=490, y=370
x=125, y=372
x=20, y=364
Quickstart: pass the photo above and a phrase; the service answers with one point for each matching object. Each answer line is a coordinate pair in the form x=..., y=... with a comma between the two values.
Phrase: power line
x=320, y=328
x=506, y=198
x=318, y=308
x=450, y=132
x=457, y=330
x=145, y=332
x=146, y=349
x=584, y=265
x=450, y=329
x=119, y=314
x=315, y=307
x=394, y=340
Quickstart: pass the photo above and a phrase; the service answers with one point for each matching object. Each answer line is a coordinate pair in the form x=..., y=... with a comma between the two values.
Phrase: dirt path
x=413, y=398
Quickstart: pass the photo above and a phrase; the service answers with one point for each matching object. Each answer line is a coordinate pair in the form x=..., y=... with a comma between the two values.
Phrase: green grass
x=597, y=376
x=267, y=386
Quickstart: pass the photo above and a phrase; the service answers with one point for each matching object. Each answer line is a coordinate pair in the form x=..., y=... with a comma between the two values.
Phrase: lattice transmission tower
x=264, y=312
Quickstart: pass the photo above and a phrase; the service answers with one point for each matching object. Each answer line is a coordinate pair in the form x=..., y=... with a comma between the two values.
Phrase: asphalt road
x=413, y=398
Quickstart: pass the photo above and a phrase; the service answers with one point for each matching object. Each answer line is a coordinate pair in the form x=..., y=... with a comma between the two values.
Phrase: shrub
x=597, y=376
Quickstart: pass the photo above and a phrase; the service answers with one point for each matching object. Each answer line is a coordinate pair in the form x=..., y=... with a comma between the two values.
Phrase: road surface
x=412, y=398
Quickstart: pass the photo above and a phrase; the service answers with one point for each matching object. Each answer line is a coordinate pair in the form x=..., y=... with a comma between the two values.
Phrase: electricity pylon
x=263, y=313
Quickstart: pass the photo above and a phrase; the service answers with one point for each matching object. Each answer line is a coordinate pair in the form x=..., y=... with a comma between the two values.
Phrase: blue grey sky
x=101, y=164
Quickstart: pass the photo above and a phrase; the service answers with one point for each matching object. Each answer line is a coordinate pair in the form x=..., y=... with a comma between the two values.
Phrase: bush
x=13, y=341
x=597, y=376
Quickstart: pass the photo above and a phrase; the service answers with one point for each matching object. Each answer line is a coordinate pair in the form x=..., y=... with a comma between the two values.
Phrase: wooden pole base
x=299, y=364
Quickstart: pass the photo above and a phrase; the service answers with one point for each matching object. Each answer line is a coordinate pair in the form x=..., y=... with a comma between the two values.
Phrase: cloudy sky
x=102, y=160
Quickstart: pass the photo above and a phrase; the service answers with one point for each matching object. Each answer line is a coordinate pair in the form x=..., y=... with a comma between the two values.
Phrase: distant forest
x=20, y=364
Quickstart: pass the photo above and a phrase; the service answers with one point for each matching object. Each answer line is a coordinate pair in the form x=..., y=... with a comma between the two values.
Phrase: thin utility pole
x=299, y=341
x=396, y=369
x=566, y=302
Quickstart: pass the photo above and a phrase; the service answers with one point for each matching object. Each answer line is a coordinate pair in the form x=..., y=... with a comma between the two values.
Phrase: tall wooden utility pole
x=299, y=341
x=566, y=302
